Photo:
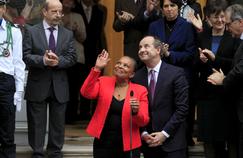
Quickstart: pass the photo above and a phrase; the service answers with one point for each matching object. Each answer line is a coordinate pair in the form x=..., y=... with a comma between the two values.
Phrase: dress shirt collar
x=156, y=68
x=241, y=37
x=85, y=6
x=46, y=25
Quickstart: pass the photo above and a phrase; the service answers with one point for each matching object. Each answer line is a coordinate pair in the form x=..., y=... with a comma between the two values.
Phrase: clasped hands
x=50, y=58
x=154, y=139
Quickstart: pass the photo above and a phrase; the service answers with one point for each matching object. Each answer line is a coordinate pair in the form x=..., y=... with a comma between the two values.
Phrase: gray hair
x=235, y=11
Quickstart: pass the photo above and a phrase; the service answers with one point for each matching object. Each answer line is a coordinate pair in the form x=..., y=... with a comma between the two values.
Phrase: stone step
x=82, y=148
x=77, y=144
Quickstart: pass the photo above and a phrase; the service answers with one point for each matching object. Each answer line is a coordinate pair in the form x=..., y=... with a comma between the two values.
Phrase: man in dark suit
x=93, y=17
x=233, y=80
x=47, y=82
x=125, y=13
x=165, y=135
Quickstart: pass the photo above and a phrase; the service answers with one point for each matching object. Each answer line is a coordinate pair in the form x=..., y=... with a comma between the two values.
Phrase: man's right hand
x=151, y=5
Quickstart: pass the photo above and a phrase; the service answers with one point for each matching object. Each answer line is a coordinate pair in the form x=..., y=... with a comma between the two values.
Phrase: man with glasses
x=233, y=81
x=48, y=52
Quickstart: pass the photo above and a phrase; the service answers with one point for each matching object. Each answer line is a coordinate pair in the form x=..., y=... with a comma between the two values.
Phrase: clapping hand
x=196, y=21
x=206, y=54
x=102, y=60
x=151, y=5
x=124, y=16
x=217, y=77
x=165, y=49
x=50, y=58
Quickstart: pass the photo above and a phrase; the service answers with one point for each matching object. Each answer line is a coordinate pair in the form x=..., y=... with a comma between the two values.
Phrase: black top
x=112, y=131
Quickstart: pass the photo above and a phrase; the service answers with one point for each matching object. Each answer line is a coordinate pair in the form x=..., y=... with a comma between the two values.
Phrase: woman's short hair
x=177, y=2
x=215, y=7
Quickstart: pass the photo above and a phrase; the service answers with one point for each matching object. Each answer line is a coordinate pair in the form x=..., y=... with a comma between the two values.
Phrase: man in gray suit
x=48, y=52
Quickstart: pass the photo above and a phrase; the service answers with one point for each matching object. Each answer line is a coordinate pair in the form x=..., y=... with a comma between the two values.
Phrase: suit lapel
x=161, y=78
x=59, y=39
x=42, y=35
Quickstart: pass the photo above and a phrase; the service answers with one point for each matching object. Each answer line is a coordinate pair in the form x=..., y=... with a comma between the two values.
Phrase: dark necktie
x=52, y=43
x=152, y=83
x=138, y=2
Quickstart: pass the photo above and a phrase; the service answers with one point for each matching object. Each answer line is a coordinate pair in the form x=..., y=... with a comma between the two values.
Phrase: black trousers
x=158, y=152
x=112, y=149
x=240, y=146
x=7, y=116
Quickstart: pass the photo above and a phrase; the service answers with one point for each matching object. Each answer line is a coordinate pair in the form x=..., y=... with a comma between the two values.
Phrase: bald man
x=48, y=52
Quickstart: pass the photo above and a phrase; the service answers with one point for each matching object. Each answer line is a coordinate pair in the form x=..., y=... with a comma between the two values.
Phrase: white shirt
x=241, y=37
x=47, y=31
x=13, y=64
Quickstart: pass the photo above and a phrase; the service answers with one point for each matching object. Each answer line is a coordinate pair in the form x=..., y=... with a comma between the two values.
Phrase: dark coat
x=216, y=117
x=170, y=105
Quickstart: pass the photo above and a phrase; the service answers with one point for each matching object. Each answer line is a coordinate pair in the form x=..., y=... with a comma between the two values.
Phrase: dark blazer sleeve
x=180, y=92
x=235, y=77
x=90, y=87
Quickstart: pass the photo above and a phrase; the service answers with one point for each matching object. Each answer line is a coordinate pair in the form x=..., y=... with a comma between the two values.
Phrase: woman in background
x=216, y=118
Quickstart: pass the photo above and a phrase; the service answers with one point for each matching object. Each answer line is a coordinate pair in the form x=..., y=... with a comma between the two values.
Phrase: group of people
x=144, y=110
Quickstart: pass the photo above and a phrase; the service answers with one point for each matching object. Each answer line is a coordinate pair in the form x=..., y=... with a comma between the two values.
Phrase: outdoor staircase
x=77, y=144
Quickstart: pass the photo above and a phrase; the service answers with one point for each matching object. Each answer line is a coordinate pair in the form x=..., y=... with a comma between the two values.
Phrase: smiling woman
x=122, y=108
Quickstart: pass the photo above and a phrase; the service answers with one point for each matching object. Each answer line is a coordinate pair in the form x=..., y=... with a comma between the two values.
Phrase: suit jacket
x=94, y=29
x=132, y=32
x=214, y=98
x=223, y=59
x=41, y=77
x=170, y=105
x=182, y=42
x=102, y=89
x=233, y=81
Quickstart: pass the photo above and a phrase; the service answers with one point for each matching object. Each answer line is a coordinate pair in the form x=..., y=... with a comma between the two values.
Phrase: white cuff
x=166, y=134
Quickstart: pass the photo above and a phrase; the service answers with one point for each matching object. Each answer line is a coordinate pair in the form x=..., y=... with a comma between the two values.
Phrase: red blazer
x=102, y=89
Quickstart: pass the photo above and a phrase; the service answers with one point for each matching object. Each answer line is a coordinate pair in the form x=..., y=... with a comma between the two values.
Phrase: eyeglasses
x=218, y=17
x=228, y=24
x=56, y=12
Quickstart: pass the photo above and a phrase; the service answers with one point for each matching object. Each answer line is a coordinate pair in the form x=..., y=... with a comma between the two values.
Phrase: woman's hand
x=102, y=60
x=206, y=54
x=196, y=21
x=134, y=105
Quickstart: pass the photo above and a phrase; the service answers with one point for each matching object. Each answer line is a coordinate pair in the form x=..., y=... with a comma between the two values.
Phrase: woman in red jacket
x=116, y=98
